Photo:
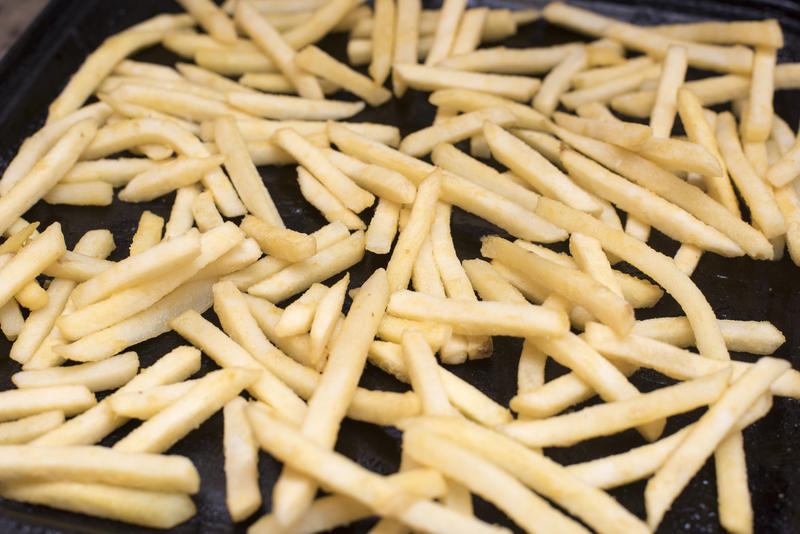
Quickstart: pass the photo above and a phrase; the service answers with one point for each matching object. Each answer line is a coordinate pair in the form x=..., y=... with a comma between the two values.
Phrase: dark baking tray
x=38, y=66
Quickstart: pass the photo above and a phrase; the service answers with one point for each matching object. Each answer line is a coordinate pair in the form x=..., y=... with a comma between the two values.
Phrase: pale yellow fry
x=672, y=76
x=29, y=428
x=759, y=116
x=80, y=194
x=446, y=28
x=128, y=302
x=30, y=261
x=180, y=216
x=749, y=32
x=673, y=189
x=71, y=400
x=190, y=107
x=32, y=296
x=479, y=318
x=406, y=37
x=470, y=31
x=424, y=375
x=145, y=403
x=117, y=172
x=347, y=477
x=489, y=481
x=281, y=243
x=401, y=262
x=46, y=173
x=392, y=329
x=170, y=425
x=701, y=441
x=534, y=168
x=629, y=135
x=96, y=376
x=756, y=193
x=656, y=265
x=204, y=212
x=165, y=178
x=510, y=60
x=469, y=100
x=37, y=145
x=322, y=265
x=590, y=258
x=425, y=78
x=733, y=493
x=609, y=418
x=234, y=62
x=154, y=509
x=646, y=206
x=212, y=19
x=297, y=316
x=96, y=423
x=382, y=227
x=146, y=324
x=279, y=50
x=454, y=129
x=323, y=20
x=129, y=67
x=242, y=494
x=317, y=62
x=264, y=129
x=755, y=337
x=597, y=76
x=148, y=233
x=557, y=80
x=17, y=238
x=329, y=205
x=378, y=180
x=325, y=320
x=294, y=492
x=606, y=91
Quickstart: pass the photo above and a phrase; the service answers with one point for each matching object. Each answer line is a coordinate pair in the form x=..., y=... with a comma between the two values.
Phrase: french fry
x=32, y=296
x=155, y=509
x=765, y=33
x=509, y=60
x=28, y=428
x=274, y=82
x=629, y=135
x=647, y=206
x=290, y=107
x=755, y=337
x=454, y=129
x=330, y=206
x=298, y=316
x=557, y=80
x=470, y=31
x=426, y=78
x=37, y=145
x=293, y=491
x=212, y=19
x=605, y=92
x=204, y=212
x=144, y=404
x=486, y=479
x=81, y=194
x=322, y=265
x=70, y=400
x=378, y=180
x=117, y=172
x=317, y=62
x=468, y=100
x=762, y=86
x=180, y=216
x=325, y=320
x=383, y=41
x=234, y=62
x=144, y=69
x=536, y=170
x=146, y=324
x=30, y=261
x=406, y=38
x=279, y=242
x=597, y=76
x=446, y=28
x=243, y=495
x=96, y=376
x=148, y=233
x=46, y=173
x=701, y=441
x=168, y=177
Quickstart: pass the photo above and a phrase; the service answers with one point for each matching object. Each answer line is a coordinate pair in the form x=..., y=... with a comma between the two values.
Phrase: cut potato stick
x=32, y=296
x=291, y=107
x=327, y=407
x=534, y=168
x=70, y=400
x=612, y=417
x=469, y=100
x=762, y=86
x=207, y=78
x=116, y=172
x=263, y=129
x=654, y=264
x=755, y=337
x=163, y=430
x=427, y=78
x=629, y=135
x=144, y=404
x=81, y=194
x=485, y=479
x=317, y=62
x=165, y=178
x=243, y=173
x=509, y=60
x=446, y=29
x=597, y=76
x=454, y=129
x=322, y=265
x=96, y=423
x=325, y=320
x=154, y=509
x=204, y=212
x=46, y=173
x=605, y=92
x=177, y=102
x=674, y=190
x=212, y=19
x=406, y=37
x=324, y=19
x=680, y=155
x=380, y=181
x=479, y=318
x=281, y=243
x=146, y=324
x=242, y=493
x=757, y=195
x=712, y=427
x=748, y=32
x=329, y=205
x=37, y=145
x=229, y=62
x=346, y=477
x=96, y=376
x=297, y=317
x=470, y=29
x=647, y=206
x=100, y=465
x=672, y=75
x=274, y=82
x=278, y=49
x=557, y=80
x=30, y=261
x=392, y=329
x=28, y=428
x=382, y=227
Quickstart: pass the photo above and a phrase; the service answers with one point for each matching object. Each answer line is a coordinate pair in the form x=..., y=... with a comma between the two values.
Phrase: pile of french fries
x=289, y=375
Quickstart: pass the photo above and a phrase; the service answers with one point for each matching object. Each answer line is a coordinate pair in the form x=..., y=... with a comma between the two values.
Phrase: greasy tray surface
x=38, y=66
